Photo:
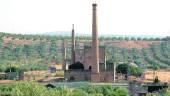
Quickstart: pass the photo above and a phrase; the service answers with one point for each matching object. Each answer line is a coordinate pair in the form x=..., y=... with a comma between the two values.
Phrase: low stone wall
x=106, y=76
x=85, y=75
x=77, y=75
x=34, y=75
x=95, y=78
x=11, y=75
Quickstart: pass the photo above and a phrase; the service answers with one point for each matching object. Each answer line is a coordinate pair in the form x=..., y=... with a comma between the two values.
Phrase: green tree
x=122, y=68
x=139, y=38
x=18, y=51
x=53, y=48
x=129, y=69
x=126, y=38
x=133, y=39
x=12, y=69
x=133, y=70
x=41, y=48
x=28, y=50
x=8, y=51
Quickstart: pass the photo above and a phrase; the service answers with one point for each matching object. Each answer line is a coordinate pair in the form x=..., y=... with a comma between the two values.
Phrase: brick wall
x=77, y=75
x=88, y=57
x=106, y=76
x=85, y=56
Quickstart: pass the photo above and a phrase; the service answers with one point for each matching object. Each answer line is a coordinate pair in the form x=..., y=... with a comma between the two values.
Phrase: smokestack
x=64, y=55
x=95, y=42
x=114, y=73
x=73, y=45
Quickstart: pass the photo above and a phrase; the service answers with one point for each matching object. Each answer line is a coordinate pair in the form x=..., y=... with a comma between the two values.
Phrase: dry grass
x=134, y=44
x=163, y=75
x=6, y=81
x=59, y=73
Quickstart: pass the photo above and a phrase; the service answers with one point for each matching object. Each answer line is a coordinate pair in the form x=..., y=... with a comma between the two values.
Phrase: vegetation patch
x=29, y=88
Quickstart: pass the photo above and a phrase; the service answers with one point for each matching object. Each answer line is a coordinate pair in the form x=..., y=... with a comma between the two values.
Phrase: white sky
x=119, y=17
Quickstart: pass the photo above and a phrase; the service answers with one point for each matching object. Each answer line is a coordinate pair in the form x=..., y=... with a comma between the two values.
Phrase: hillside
x=132, y=44
x=36, y=52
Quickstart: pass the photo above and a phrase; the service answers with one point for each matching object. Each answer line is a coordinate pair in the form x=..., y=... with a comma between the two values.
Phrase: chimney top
x=94, y=4
x=73, y=26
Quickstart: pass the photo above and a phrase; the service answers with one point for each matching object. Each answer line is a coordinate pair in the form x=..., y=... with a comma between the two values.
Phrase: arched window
x=89, y=67
x=77, y=65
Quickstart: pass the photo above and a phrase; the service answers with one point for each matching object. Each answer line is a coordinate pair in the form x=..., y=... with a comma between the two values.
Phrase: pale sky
x=117, y=17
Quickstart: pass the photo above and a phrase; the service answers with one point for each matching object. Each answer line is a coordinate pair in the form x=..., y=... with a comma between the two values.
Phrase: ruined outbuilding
x=89, y=63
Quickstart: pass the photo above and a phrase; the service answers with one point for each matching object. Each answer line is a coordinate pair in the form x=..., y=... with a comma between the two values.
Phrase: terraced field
x=154, y=56
x=37, y=52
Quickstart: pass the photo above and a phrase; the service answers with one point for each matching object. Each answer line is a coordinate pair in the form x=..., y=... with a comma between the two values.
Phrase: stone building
x=84, y=56
x=89, y=63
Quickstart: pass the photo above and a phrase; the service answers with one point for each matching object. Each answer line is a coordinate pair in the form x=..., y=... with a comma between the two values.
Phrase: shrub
x=12, y=69
x=126, y=68
x=30, y=88
x=106, y=90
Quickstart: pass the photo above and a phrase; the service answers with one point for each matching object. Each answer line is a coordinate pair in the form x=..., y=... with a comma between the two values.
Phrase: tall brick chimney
x=64, y=55
x=95, y=76
x=73, y=45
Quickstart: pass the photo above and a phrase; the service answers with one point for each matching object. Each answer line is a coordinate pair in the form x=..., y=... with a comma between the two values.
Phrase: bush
x=79, y=92
x=133, y=70
x=122, y=68
x=12, y=69
x=129, y=69
x=5, y=89
x=106, y=90
x=30, y=88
